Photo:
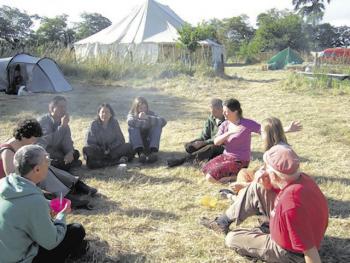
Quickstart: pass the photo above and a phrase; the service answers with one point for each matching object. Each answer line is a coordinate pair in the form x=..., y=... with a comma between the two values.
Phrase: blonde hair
x=274, y=132
x=136, y=103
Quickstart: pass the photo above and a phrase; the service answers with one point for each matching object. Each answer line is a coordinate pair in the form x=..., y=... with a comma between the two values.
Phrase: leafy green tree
x=15, y=26
x=278, y=30
x=188, y=37
x=234, y=32
x=55, y=31
x=312, y=10
x=343, y=36
x=326, y=36
x=91, y=23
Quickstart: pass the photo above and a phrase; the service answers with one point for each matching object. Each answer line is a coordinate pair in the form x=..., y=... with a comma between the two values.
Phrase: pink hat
x=283, y=159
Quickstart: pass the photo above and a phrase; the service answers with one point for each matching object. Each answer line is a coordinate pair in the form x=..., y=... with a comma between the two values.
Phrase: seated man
x=57, y=139
x=28, y=234
x=203, y=148
x=294, y=204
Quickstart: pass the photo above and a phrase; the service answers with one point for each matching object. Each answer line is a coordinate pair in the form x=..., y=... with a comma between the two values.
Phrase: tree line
x=300, y=29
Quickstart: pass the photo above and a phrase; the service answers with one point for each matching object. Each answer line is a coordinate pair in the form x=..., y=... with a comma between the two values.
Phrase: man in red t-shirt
x=295, y=206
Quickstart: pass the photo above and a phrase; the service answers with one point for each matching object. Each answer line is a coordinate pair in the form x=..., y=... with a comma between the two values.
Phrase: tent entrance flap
x=38, y=75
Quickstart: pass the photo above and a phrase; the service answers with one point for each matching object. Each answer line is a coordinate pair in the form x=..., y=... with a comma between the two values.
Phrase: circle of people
x=36, y=165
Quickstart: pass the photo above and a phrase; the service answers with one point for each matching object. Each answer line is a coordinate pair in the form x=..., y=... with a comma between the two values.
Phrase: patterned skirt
x=224, y=165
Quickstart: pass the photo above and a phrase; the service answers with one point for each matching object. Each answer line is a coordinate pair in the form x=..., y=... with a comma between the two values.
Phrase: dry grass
x=150, y=214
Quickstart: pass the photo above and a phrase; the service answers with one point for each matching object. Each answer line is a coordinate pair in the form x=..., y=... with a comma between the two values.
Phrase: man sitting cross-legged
x=27, y=232
x=203, y=148
x=57, y=138
x=295, y=207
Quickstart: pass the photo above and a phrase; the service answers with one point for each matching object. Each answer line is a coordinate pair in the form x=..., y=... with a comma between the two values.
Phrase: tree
x=15, y=26
x=233, y=32
x=313, y=10
x=54, y=30
x=91, y=23
x=189, y=35
x=278, y=30
x=343, y=36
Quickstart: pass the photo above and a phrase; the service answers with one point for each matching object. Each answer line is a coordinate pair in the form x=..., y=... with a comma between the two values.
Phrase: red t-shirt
x=300, y=217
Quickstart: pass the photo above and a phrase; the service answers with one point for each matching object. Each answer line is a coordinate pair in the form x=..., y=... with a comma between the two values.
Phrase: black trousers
x=58, y=160
x=95, y=156
x=204, y=153
x=72, y=244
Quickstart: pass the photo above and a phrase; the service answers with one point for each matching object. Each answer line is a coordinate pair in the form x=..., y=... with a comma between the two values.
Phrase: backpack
x=4, y=147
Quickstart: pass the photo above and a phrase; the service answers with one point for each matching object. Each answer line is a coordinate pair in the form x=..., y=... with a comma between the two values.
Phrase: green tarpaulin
x=283, y=58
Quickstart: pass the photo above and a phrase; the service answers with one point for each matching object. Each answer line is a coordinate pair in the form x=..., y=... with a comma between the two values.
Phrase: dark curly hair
x=27, y=128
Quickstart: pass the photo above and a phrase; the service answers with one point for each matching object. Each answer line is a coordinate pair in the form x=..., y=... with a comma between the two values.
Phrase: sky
x=337, y=12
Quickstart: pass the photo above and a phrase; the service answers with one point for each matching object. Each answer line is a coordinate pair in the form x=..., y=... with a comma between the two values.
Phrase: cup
x=209, y=201
x=57, y=206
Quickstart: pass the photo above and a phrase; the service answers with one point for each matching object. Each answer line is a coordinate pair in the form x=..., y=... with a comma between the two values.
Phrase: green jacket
x=210, y=129
x=25, y=222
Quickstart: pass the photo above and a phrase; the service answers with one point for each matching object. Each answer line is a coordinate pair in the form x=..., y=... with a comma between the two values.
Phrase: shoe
x=176, y=162
x=75, y=164
x=76, y=201
x=123, y=159
x=226, y=193
x=214, y=225
x=82, y=188
x=151, y=158
x=142, y=158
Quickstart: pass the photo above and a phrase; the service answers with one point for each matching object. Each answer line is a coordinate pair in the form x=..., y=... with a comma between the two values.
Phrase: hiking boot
x=176, y=162
x=214, y=225
x=82, y=188
x=151, y=158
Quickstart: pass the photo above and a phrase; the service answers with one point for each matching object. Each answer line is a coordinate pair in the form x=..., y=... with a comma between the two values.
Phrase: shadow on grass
x=339, y=209
x=326, y=179
x=335, y=250
x=101, y=205
x=154, y=214
x=259, y=156
x=98, y=253
x=140, y=178
x=260, y=80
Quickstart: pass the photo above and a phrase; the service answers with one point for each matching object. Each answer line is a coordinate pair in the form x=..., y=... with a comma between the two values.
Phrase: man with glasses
x=293, y=204
x=27, y=231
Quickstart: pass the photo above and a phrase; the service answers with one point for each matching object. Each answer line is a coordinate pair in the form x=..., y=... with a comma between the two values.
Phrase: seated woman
x=105, y=143
x=145, y=129
x=57, y=181
x=235, y=134
x=272, y=133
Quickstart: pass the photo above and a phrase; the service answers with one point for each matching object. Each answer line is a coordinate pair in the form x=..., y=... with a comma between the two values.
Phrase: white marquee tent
x=144, y=35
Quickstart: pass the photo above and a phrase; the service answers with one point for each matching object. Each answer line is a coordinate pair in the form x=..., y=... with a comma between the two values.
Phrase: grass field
x=150, y=213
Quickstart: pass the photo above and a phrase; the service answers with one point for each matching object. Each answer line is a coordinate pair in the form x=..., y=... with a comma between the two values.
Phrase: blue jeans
x=145, y=139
